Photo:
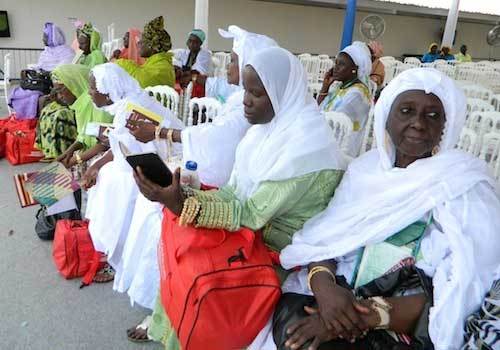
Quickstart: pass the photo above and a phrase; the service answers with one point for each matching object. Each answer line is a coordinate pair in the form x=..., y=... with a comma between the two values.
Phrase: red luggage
x=20, y=147
x=218, y=288
x=73, y=251
x=11, y=124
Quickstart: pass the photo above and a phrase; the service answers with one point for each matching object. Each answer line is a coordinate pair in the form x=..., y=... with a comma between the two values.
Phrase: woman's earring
x=435, y=150
x=353, y=71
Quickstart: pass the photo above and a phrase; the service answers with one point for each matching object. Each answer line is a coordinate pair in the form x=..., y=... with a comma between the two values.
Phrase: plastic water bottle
x=189, y=175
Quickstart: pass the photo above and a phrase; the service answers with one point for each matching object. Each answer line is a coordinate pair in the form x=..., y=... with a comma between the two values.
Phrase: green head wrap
x=155, y=36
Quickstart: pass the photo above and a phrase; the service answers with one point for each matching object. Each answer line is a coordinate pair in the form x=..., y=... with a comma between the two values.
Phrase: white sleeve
x=203, y=62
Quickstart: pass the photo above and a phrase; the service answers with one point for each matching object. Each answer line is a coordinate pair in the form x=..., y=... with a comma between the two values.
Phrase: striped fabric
x=51, y=184
x=483, y=327
x=25, y=197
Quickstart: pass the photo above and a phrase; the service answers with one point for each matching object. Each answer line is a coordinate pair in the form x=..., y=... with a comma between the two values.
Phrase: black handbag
x=45, y=226
x=36, y=80
x=290, y=309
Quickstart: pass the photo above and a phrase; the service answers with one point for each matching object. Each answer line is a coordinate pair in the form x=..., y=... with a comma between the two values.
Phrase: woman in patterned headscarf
x=154, y=46
x=89, y=41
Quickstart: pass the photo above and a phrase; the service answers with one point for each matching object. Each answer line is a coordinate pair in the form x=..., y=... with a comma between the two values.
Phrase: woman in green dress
x=286, y=168
x=71, y=86
x=89, y=41
x=154, y=46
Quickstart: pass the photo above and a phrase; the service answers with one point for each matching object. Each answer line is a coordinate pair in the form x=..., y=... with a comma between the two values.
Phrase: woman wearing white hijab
x=213, y=145
x=414, y=174
x=112, y=190
x=275, y=183
x=345, y=89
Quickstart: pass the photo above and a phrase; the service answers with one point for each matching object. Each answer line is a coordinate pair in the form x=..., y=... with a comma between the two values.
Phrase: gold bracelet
x=157, y=133
x=190, y=211
x=383, y=308
x=323, y=94
x=170, y=133
x=317, y=269
x=78, y=157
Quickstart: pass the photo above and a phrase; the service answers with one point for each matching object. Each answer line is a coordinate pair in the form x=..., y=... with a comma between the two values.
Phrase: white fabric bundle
x=296, y=142
x=376, y=200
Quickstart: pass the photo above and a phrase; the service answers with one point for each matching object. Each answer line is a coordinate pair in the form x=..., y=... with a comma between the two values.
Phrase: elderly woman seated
x=408, y=247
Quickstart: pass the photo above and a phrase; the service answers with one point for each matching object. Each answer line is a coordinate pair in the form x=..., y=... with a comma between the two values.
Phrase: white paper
x=62, y=205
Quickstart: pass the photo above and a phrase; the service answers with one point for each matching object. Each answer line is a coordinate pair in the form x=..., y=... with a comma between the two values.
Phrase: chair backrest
x=303, y=55
x=368, y=137
x=468, y=141
x=495, y=102
x=184, y=99
x=220, y=61
x=167, y=96
x=490, y=150
x=413, y=61
x=111, y=32
x=203, y=110
x=325, y=65
x=6, y=79
x=477, y=104
x=342, y=128
x=314, y=88
x=323, y=57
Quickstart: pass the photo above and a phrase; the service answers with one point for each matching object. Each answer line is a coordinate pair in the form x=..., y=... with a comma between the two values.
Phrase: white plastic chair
x=477, y=105
x=325, y=65
x=368, y=136
x=167, y=96
x=208, y=109
x=495, y=102
x=412, y=61
x=303, y=55
x=220, y=61
x=314, y=88
x=342, y=128
x=323, y=57
x=184, y=99
x=490, y=152
x=5, y=83
x=468, y=141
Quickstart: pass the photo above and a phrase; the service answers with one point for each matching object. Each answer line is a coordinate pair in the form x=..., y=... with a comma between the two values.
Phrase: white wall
x=26, y=17
x=318, y=30
x=297, y=28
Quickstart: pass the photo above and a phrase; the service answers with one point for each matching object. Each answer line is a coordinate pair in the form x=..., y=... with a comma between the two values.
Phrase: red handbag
x=73, y=251
x=20, y=147
x=12, y=124
x=218, y=288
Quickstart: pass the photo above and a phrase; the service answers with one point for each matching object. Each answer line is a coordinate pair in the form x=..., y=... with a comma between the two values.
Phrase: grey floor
x=38, y=308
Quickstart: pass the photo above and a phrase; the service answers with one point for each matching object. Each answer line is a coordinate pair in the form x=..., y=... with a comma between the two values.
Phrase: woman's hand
x=90, y=176
x=171, y=196
x=142, y=131
x=312, y=328
x=327, y=81
x=66, y=157
x=338, y=308
x=116, y=54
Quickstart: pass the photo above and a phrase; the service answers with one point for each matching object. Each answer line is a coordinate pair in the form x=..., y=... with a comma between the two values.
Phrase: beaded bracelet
x=190, y=211
x=383, y=308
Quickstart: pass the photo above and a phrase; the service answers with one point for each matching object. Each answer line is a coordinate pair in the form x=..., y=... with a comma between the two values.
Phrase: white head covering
x=431, y=81
x=296, y=142
x=246, y=44
x=360, y=54
x=113, y=80
x=375, y=200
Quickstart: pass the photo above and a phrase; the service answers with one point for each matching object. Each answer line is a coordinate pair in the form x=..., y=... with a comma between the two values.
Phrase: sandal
x=106, y=274
x=139, y=333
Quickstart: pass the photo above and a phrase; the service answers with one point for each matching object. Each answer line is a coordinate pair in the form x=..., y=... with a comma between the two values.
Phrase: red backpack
x=219, y=289
x=73, y=252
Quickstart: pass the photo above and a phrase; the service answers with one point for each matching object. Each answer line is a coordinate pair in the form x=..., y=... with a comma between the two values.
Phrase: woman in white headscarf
x=345, y=89
x=112, y=190
x=412, y=204
x=213, y=145
x=275, y=183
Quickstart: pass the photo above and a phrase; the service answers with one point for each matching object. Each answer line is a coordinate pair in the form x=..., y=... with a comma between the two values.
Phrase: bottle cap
x=191, y=165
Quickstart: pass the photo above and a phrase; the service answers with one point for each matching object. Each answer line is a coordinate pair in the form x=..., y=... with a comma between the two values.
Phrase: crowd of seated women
x=275, y=169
